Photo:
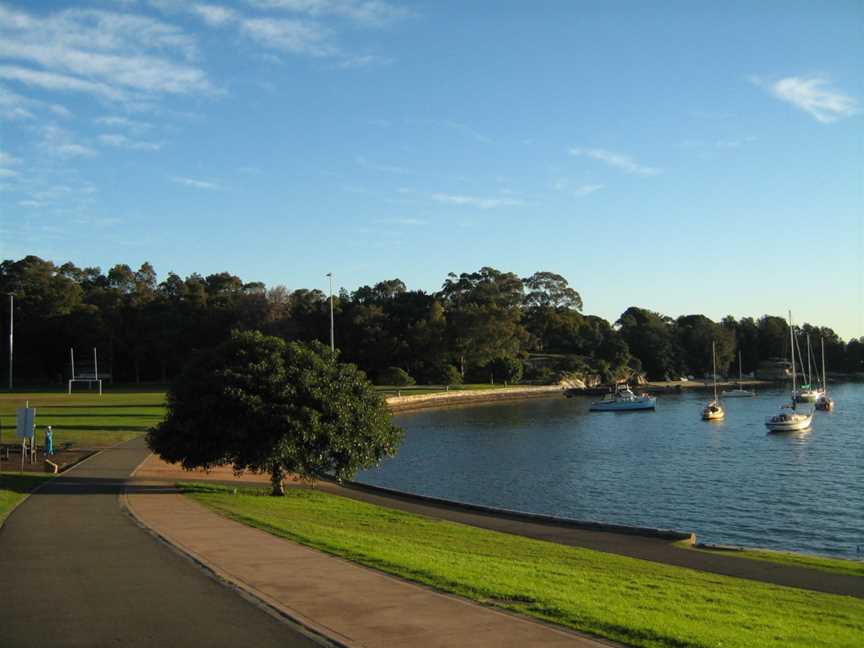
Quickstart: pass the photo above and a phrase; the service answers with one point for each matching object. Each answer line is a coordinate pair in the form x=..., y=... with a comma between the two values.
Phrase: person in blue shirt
x=49, y=441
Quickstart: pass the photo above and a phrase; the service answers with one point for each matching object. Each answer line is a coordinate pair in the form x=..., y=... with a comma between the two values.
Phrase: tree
x=266, y=405
x=650, y=338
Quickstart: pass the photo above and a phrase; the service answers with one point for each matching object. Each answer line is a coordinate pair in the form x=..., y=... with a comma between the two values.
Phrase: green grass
x=85, y=420
x=14, y=487
x=834, y=565
x=637, y=602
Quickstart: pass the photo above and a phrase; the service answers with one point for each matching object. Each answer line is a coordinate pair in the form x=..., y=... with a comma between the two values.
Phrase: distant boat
x=823, y=401
x=789, y=419
x=738, y=392
x=807, y=393
x=713, y=411
x=624, y=400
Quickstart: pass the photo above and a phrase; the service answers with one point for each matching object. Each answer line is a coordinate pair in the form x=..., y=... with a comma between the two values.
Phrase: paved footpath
x=77, y=570
x=354, y=605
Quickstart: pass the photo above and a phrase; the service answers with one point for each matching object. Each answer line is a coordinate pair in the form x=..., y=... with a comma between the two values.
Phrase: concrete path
x=76, y=570
x=355, y=605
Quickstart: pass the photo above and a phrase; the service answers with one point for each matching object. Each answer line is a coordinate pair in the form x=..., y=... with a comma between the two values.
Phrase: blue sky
x=684, y=157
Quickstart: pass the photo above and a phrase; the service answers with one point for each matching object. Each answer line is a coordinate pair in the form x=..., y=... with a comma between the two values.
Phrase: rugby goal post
x=87, y=374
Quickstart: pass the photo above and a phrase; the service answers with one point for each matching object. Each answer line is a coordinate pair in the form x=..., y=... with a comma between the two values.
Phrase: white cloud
x=214, y=15
x=468, y=132
x=61, y=143
x=113, y=121
x=121, y=141
x=618, y=161
x=7, y=173
x=32, y=204
x=584, y=190
x=366, y=12
x=61, y=111
x=8, y=160
x=295, y=36
x=196, y=184
x=813, y=95
x=103, y=53
x=413, y=222
x=475, y=201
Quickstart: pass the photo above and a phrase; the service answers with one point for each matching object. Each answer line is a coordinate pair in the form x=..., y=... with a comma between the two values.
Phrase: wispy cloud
x=7, y=160
x=467, y=131
x=121, y=141
x=386, y=168
x=619, y=161
x=584, y=190
x=412, y=222
x=734, y=143
x=214, y=15
x=61, y=143
x=114, y=121
x=294, y=36
x=114, y=56
x=475, y=201
x=365, y=12
x=196, y=183
x=814, y=95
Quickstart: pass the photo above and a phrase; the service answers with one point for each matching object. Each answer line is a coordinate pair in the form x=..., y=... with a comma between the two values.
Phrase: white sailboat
x=789, y=419
x=807, y=393
x=823, y=401
x=713, y=411
x=738, y=392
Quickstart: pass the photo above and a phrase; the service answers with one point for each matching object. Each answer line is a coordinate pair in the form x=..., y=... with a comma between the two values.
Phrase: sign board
x=26, y=421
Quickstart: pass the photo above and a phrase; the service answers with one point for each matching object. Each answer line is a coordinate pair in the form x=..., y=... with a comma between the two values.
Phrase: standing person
x=49, y=441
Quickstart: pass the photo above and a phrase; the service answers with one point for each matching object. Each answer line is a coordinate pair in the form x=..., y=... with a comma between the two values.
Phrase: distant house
x=774, y=369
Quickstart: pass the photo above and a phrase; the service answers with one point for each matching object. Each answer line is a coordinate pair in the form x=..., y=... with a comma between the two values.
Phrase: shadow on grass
x=21, y=484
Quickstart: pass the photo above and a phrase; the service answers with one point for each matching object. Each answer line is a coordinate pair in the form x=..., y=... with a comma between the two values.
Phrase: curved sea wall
x=466, y=397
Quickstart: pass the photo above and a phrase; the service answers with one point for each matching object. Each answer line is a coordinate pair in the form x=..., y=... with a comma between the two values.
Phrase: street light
x=11, y=324
x=332, y=345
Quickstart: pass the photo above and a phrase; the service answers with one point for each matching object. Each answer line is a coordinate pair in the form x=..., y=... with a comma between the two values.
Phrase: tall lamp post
x=11, y=324
x=332, y=344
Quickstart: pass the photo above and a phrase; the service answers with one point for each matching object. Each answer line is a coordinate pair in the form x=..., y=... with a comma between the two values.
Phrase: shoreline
x=400, y=404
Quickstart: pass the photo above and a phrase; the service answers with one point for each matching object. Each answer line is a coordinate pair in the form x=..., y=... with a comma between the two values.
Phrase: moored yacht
x=823, y=401
x=713, y=411
x=623, y=400
x=789, y=419
x=738, y=392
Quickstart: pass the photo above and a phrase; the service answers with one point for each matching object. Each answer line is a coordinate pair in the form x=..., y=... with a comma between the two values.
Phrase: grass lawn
x=85, y=420
x=836, y=565
x=633, y=601
x=14, y=487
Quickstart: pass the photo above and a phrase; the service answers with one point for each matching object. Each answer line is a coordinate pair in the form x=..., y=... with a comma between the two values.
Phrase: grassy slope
x=836, y=565
x=14, y=487
x=633, y=601
x=85, y=420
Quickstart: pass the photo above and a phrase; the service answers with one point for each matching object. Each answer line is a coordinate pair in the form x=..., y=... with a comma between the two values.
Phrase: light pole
x=332, y=344
x=11, y=324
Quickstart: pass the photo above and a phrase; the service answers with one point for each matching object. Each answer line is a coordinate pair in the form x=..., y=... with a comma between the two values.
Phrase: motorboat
x=790, y=419
x=713, y=411
x=738, y=392
x=624, y=400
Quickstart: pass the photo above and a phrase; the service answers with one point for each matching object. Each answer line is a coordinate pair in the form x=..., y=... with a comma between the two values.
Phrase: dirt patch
x=65, y=459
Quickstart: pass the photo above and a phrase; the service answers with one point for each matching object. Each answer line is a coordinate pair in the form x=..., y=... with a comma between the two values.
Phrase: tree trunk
x=277, y=480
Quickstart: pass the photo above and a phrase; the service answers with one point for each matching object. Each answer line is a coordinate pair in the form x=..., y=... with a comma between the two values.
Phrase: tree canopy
x=266, y=405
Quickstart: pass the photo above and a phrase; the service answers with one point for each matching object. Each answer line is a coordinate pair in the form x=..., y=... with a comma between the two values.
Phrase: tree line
x=480, y=326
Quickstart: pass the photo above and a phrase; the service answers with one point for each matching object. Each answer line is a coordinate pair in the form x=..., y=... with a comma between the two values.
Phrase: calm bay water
x=730, y=482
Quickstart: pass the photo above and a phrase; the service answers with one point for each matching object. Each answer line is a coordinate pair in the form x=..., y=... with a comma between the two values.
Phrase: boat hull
x=632, y=406
x=738, y=393
x=789, y=423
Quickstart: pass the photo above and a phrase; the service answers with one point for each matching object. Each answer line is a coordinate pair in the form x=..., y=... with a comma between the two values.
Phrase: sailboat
x=789, y=419
x=807, y=393
x=823, y=401
x=713, y=411
x=738, y=392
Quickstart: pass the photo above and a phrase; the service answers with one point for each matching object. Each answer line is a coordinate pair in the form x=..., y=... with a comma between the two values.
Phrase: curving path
x=76, y=570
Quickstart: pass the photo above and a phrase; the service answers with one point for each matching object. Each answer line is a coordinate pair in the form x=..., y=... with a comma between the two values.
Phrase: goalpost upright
x=88, y=377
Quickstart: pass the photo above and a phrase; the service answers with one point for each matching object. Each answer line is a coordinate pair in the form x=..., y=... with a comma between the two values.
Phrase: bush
x=395, y=376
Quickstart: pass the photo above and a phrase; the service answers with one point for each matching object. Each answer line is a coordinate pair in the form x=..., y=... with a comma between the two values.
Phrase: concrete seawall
x=450, y=398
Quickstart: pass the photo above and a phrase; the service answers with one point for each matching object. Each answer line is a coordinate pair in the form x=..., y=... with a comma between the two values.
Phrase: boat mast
x=809, y=369
x=824, y=375
x=714, y=366
x=740, y=374
x=792, y=342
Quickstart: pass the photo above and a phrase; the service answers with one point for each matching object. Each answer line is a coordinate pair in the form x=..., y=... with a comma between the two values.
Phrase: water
x=729, y=481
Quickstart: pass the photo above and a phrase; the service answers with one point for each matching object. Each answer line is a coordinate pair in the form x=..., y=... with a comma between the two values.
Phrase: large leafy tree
x=266, y=405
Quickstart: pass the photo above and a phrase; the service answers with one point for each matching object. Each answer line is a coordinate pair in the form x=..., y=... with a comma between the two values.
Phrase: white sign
x=26, y=421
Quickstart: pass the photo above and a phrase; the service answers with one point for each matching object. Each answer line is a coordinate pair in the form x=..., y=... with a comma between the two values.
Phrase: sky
x=687, y=157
